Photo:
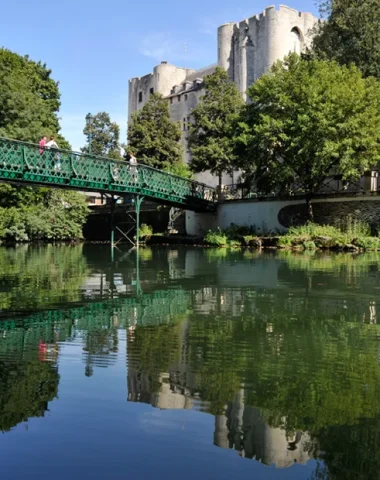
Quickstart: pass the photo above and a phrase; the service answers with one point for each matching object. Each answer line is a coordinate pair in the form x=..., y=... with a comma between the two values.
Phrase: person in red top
x=42, y=144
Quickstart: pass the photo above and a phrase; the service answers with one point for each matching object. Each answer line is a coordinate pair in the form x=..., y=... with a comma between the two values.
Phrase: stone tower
x=246, y=50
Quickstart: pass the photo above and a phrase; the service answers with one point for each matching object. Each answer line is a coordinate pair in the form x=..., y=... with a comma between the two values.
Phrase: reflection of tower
x=245, y=429
x=157, y=370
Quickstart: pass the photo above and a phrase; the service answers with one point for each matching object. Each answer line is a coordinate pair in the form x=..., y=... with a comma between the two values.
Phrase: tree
x=29, y=99
x=211, y=133
x=308, y=119
x=153, y=137
x=351, y=34
x=104, y=136
x=54, y=215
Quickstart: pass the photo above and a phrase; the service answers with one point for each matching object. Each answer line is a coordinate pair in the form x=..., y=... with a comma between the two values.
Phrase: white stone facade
x=246, y=50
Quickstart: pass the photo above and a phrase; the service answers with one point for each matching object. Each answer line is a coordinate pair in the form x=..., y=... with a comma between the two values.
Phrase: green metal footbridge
x=27, y=163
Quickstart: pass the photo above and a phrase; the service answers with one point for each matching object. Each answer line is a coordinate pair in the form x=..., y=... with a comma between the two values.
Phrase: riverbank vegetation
x=40, y=214
x=351, y=235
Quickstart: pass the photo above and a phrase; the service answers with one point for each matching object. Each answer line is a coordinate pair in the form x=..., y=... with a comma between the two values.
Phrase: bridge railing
x=22, y=161
x=368, y=184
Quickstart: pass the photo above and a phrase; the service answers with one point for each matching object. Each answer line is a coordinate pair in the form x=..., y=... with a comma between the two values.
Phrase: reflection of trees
x=25, y=390
x=101, y=346
x=151, y=352
x=350, y=452
x=38, y=277
x=337, y=274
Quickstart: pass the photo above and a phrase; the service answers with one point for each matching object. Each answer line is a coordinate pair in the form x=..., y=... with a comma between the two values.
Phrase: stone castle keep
x=246, y=50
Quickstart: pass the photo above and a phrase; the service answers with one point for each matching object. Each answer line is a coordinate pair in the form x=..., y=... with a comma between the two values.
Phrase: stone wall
x=276, y=216
x=246, y=50
x=249, y=48
x=334, y=212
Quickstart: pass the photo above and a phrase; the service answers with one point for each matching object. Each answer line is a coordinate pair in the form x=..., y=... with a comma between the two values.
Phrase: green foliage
x=29, y=99
x=41, y=277
x=211, y=132
x=104, y=136
x=55, y=215
x=153, y=137
x=145, y=231
x=308, y=119
x=350, y=34
x=180, y=169
x=25, y=390
x=217, y=238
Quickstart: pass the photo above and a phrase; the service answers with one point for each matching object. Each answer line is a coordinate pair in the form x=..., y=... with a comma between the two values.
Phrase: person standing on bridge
x=42, y=144
x=51, y=143
x=133, y=166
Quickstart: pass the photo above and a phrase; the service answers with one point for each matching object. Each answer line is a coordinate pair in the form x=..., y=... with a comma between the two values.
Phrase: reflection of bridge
x=146, y=309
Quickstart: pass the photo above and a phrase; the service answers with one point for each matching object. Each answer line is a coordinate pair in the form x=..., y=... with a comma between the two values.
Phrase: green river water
x=197, y=363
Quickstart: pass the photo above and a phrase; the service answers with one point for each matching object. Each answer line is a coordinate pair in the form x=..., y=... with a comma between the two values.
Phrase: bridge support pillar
x=138, y=202
x=113, y=202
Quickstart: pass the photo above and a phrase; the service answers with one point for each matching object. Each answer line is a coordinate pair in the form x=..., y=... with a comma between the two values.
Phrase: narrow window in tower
x=296, y=41
x=186, y=98
x=179, y=98
x=151, y=91
x=171, y=100
x=140, y=97
x=184, y=124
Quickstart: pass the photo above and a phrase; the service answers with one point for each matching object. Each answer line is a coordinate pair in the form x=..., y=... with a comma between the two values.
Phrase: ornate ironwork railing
x=369, y=184
x=23, y=162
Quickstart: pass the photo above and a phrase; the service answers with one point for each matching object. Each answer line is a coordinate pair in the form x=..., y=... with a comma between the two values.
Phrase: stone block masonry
x=246, y=50
x=276, y=216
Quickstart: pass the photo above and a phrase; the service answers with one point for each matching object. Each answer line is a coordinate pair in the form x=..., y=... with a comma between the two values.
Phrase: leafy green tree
x=308, y=119
x=29, y=99
x=211, y=132
x=56, y=215
x=153, y=137
x=350, y=34
x=104, y=135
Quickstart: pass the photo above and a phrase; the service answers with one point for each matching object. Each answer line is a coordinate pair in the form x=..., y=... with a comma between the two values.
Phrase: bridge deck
x=26, y=163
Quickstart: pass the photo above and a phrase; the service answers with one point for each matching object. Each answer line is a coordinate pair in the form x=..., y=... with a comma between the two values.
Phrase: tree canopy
x=104, y=135
x=29, y=99
x=350, y=34
x=153, y=137
x=306, y=120
x=211, y=132
x=41, y=214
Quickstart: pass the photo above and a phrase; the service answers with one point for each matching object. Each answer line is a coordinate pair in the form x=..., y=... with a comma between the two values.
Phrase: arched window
x=296, y=41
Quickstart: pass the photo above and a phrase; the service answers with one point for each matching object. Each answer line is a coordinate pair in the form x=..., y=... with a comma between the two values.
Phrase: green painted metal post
x=138, y=202
x=112, y=226
x=138, y=285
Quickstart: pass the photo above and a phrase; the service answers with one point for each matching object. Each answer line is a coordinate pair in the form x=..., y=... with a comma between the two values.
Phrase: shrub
x=217, y=238
x=145, y=231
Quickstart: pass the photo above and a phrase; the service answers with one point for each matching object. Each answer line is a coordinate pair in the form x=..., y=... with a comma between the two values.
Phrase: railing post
x=139, y=201
x=72, y=165
x=112, y=224
x=24, y=159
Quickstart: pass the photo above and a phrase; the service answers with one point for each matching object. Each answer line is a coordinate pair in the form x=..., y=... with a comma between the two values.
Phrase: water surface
x=190, y=362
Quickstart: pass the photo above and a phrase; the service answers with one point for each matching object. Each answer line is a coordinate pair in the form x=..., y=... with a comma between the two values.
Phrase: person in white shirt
x=51, y=143
x=133, y=166
x=132, y=159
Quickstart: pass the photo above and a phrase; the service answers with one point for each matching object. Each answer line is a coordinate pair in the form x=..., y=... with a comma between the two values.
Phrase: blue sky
x=94, y=47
